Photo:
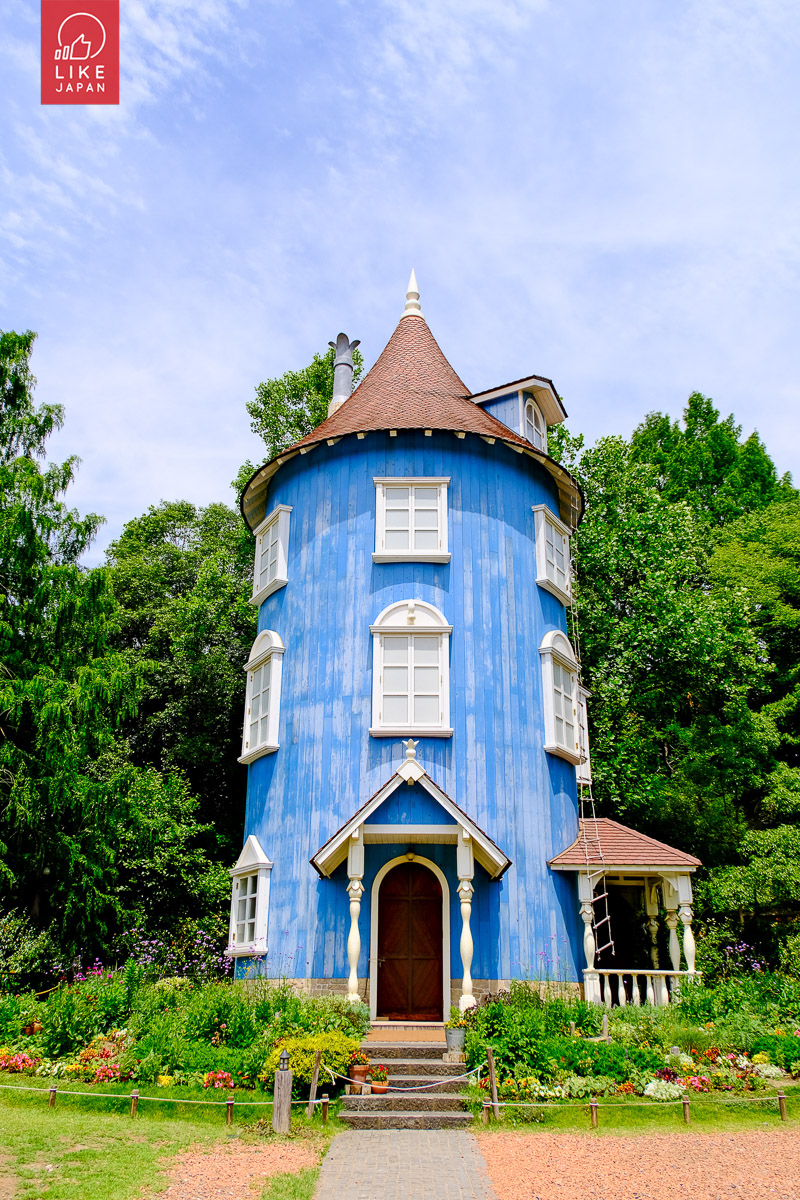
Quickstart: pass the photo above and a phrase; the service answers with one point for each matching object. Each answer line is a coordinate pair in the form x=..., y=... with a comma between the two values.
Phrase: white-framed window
x=560, y=692
x=271, y=566
x=553, y=570
x=411, y=671
x=263, y=704
x=535, y=428
x=411, y=520
x=584, y=771
x=247, y=932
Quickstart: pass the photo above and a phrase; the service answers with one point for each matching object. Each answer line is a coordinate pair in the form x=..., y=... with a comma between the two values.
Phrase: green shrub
x=69, y=1021
x=336, y=1050
x=221, y=1013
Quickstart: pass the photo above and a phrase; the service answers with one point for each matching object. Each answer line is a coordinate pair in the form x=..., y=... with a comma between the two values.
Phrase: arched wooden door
x=410, y=945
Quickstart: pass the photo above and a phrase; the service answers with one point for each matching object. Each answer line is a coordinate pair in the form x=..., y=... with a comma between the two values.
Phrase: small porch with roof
x=609, y=858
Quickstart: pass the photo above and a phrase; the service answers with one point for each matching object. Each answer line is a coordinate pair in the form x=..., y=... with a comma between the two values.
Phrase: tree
x=704, y=463
x=670, y=662
x=286, y=409
x=182, y=577
x=90, y=840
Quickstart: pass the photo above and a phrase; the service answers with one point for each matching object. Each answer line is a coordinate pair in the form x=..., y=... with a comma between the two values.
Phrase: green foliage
x=26, y=953
x=182, y=577
x=336, y=1050
x=69, y=1020
x=223, y=1012
x=704, y=463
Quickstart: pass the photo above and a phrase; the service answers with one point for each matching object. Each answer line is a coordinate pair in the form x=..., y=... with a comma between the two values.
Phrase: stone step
x=420, y=1066
x=376, y=1050
x=394, y=1102
x=387, y=1119
x=413, y=1081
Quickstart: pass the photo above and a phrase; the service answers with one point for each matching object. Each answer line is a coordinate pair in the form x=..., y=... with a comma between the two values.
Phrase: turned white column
x=674, y=944
x=465, y=891
x=651, y=907
x=685, y=914
x=589, y=947
x=465, y=868
x=355, y=890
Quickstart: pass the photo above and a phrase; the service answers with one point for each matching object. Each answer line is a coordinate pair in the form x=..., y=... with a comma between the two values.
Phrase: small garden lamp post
x=282, y=1096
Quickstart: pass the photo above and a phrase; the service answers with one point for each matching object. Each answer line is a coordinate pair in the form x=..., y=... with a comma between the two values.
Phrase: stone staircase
x=411, y=1065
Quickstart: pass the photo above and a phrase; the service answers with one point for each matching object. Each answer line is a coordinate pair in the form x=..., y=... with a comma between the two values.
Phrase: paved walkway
x=404, y=1164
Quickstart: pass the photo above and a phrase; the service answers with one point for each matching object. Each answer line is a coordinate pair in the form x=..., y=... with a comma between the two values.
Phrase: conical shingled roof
x=411, y=386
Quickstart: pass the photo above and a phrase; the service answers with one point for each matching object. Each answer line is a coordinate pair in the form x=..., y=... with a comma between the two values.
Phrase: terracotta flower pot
x=358, y=1072
x=379, y=1089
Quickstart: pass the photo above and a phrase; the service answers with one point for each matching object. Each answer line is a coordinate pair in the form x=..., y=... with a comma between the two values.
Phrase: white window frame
x=556, y=651
x=584, y=771
x=410, y=618
x=267, y=649
x=276, y=522
x=381, y=554
x=539, y=438
x=251, y=864
x=546, y=522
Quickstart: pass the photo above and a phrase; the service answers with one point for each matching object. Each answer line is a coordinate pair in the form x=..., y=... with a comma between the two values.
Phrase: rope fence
x=492, y=1107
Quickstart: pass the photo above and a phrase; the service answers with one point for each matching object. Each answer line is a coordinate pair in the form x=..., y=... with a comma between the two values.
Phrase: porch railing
x=613, y=988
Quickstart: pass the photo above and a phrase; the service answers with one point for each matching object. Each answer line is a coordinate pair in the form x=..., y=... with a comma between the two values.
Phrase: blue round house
x=415, y=729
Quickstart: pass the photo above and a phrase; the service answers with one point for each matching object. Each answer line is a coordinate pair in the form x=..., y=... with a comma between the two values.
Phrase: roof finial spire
x=412, y=308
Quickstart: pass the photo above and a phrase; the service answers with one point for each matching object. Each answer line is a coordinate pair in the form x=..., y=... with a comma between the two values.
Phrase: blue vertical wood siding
x=494, y=766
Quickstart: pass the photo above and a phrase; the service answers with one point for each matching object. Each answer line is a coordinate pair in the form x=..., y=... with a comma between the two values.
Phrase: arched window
x=535, y=428
x=249, y=901
x=411, y=671
x=262, y=708
x=271, y=566
x=560, y=688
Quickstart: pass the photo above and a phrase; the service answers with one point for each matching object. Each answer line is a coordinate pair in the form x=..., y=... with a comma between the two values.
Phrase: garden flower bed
x=114, y=1027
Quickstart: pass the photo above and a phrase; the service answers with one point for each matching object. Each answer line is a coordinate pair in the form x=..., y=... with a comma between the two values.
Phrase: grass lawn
x=91, y=1148
x=624, y=1117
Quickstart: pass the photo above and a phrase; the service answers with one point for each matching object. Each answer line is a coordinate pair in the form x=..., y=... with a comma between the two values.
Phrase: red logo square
x=80, y=51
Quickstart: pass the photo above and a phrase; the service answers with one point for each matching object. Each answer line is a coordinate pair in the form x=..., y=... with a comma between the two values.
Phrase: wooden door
x=410, y=945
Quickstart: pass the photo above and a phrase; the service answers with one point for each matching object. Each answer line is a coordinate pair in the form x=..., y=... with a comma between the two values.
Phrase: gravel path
x=227, y=1172
x=700, y=1166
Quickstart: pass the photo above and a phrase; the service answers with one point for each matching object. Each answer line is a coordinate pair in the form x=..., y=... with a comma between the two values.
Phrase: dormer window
x=411, y=520
x=263, y=704
x=411, y=671
x=535, y=428
x=272, y=541
x=560, y=689
x=552, y=554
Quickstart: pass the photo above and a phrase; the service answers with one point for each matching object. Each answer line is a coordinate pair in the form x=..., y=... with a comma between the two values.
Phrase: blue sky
x=606, y=194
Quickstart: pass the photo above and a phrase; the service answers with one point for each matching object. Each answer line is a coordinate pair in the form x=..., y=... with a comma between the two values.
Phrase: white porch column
x=674, y=944
x=591, y=980
x=685, y=913
x=651, y=907
x=465, y=866
x=465, y=891
x=355, y=890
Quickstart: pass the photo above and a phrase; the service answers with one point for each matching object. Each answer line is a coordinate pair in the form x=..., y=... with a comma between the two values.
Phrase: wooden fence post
x=486, y=1110
x=51, y=1102
x=282, y=1096
x=324, y=1108
x=572, y=1029
x=782, y=1105
x=686, y=1117
x=593, y=1112
x=605, y=1028
x=229, y=1111
x=493, y=1082
x=314, y=1080
x=134, y=1101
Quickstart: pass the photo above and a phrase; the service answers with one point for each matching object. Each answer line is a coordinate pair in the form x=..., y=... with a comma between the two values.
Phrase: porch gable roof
x=606, y=843
x=334, y=851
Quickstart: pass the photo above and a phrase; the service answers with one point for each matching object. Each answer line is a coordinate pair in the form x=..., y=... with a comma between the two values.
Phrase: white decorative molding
x=355, y=890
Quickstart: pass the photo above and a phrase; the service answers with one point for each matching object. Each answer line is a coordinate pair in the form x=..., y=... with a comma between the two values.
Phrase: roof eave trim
x=629, y=868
